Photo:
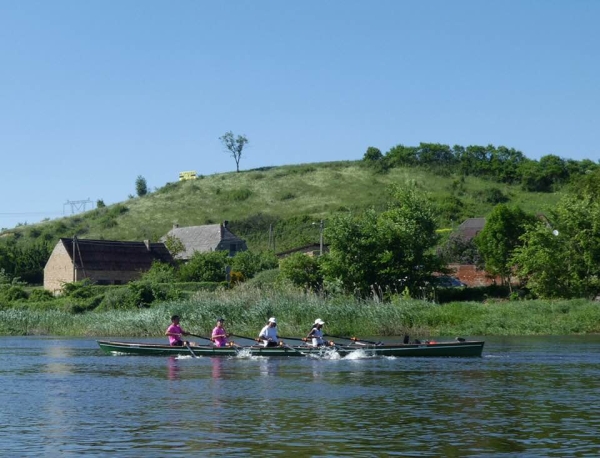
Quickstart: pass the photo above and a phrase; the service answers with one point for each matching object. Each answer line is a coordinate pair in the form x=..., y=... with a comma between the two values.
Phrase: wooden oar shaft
x=201, y=337
x=293, y=338
x=244, y=337
x=190, y=349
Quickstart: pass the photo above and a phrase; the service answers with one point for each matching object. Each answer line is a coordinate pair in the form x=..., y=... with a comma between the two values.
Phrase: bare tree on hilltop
x=234, y=145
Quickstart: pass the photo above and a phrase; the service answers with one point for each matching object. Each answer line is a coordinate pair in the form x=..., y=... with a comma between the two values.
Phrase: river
x=531, y=396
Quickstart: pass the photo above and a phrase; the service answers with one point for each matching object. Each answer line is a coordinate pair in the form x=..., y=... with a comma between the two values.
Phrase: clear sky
x=94, y=93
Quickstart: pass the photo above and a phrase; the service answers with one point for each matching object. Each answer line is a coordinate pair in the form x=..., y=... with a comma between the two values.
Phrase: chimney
x=147, y=243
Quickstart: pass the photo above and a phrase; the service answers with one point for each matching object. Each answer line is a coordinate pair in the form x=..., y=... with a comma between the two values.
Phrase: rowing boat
x=440, y=349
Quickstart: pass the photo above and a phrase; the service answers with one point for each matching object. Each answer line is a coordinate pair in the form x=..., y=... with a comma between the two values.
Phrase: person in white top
x=316, y=333
x=268, y=334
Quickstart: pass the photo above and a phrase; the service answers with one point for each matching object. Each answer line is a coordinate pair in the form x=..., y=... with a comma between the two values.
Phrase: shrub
x=238, y=195
x=14, y=293
x=40, y=295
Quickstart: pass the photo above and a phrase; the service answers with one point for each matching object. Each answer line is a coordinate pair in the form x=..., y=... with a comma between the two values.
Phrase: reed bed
x=246, y=310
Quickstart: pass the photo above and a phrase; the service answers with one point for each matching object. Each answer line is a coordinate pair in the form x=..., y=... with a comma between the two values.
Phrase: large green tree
x=389, y=250
x=560, y=257
x=500, y=237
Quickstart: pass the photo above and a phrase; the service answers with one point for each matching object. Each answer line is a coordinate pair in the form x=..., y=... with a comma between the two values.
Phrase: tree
x=174, y=245
x=209, y=266
x=141, y=187
x=390, y=250
x=302, y=270
x=372, y=155
x=560, y=257
x=250, y=263
x=235, y=146
x=500, y=237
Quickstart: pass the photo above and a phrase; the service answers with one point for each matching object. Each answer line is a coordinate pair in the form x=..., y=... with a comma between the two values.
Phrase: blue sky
x=95, y=93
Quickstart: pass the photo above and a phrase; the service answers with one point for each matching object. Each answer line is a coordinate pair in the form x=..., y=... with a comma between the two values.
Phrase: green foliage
x=303, y=271
x=372, y=155
x=13, y=293
x=160, y=272
x=500, y=237
x=562, y=258
x=494, y=196
x=383, y=249
x=100, y=204
x=174, y=245
x=250, y=263
x=235, y=146
x=208, y=266
x=267, y=279
x=457, y=249
x=40, y=295
x=238, y=195
x=141, y=188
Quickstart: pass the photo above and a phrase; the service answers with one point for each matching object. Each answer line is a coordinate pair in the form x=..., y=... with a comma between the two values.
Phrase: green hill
x=289, y=199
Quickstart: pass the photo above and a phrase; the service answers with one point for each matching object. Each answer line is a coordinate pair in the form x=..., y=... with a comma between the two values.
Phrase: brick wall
x=470, y=275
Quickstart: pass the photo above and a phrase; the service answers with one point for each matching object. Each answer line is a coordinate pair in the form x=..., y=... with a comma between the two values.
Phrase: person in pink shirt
x=219, y=335
x=175, y=332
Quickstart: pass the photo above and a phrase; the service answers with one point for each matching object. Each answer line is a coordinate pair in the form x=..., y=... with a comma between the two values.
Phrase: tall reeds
x=247, y=309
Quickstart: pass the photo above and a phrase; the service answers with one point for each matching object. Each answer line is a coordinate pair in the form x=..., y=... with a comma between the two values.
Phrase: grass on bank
x=288, y=198
x=247, y=310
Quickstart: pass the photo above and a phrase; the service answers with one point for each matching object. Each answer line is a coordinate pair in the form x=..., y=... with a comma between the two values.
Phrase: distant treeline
x=502, y=164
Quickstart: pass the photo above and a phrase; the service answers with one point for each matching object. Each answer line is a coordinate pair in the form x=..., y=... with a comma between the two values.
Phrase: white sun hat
x=272, y=320
x=319, y=321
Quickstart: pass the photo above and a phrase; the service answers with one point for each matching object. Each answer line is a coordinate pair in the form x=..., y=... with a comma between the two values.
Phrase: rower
x=268, y=334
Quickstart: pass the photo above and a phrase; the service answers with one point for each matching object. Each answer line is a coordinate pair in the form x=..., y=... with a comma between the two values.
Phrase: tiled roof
x=113, y=255
x=201, y=238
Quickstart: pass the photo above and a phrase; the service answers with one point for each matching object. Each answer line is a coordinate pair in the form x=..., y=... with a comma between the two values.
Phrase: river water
x=532, y=396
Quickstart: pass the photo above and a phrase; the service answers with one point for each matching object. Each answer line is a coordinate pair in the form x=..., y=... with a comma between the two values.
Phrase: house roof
x=113, y=255
x=470, y=227
x=201, y=238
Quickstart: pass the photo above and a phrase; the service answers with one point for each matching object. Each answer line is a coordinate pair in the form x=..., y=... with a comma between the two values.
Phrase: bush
x=238, y=195
x=264, y=279
x=40, y=295
x=14, y=293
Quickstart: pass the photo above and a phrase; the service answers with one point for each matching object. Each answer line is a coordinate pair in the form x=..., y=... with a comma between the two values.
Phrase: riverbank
x=246, y=311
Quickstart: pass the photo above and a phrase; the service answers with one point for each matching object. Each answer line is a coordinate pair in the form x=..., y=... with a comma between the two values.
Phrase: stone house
x=210, y=237
x=104, y=262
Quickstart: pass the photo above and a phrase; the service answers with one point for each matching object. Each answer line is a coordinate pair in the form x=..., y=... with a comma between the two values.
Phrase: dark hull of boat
x=431, y=349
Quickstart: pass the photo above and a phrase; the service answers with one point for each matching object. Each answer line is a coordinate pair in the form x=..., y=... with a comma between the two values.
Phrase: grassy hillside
x=290, y=198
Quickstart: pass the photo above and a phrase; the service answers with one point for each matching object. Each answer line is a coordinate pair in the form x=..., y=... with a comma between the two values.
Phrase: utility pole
x=321, y=226
x=74, y=264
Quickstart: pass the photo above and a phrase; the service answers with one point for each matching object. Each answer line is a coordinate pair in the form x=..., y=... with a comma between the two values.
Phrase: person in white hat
x=316, y=333
x=268, y=334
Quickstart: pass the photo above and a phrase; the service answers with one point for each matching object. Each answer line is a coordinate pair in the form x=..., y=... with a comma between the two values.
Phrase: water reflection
x=173, y=368
x=536, y=398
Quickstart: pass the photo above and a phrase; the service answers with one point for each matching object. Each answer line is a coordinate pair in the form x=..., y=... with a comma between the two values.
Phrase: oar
x=201, y=337
x=190, y=349
x=292, y=348
x=354, y=339
x=294, y=338
x=244, y=337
